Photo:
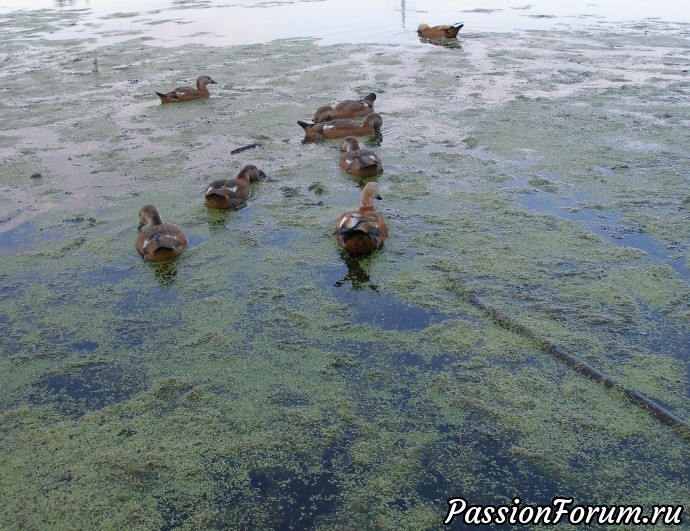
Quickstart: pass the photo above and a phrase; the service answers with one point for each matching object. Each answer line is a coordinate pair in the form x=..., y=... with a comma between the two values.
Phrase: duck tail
x=167, y=242
x=308, y=129
x=161, y=95
x=366, y=162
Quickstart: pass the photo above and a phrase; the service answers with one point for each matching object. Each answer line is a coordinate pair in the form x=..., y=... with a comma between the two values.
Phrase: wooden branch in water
x=243, y=148
x=584, y=368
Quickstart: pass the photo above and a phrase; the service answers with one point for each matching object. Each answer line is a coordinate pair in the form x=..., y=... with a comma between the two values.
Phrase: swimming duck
x=158, y=241
x=439, y=32
x=232, y=193
x=361, y=162
x=188, y=93
x=342, y=128
x=364, y=230
x=346, y=109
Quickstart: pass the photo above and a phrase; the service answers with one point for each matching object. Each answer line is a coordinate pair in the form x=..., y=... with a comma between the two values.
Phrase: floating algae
x=241, y=388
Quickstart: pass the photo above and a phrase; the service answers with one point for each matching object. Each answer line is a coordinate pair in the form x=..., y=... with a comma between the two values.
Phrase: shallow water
x=264, y=381
x=329, y=21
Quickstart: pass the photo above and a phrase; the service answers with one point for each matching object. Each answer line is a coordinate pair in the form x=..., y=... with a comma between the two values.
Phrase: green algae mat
x=265, y=381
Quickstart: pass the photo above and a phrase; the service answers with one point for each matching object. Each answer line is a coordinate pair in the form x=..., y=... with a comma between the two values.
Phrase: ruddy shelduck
x=188, y=93
x=158, y=241
x=443, y=31
x=360, y=162
x=341, y=128
x=364, y=230
x=346, y=109
x=233, y=193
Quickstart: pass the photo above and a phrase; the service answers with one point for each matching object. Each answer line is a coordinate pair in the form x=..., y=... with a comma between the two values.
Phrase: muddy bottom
x=264, y=381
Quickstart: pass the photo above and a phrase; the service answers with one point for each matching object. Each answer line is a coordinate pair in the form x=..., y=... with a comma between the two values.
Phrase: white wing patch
x=350, y=222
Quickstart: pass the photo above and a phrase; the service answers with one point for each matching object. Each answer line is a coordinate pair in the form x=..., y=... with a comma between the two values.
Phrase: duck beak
x=140, y=226
x=213, y=82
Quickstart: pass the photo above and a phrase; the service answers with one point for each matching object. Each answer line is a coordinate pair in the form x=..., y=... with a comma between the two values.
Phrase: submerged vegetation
x=265, y=381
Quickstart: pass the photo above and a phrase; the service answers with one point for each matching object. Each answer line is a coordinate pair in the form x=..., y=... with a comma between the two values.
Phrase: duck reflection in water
x=445, y=43
x=165, y=272
x=217, y=219
x=357, y=273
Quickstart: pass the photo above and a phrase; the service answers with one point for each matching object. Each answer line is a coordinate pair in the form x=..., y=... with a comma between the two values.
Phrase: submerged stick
x=243, y=148
x=584, y=368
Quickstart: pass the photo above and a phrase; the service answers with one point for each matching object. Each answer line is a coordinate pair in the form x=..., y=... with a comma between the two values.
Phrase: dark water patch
x=234, y=505
x=146, y=301
x=482, y=464
x=668, y=338
x=303, y=496
x=170, y=393
x=635, y=452
x=279, y=497
x=352, y=285
x=615, y=227
x=86, y=388
x=343, y=362
x=433, y=364
x=129, y=334
x=410, y=359
x=354, y=357
x=608, y=224
x=282, y=238
x=25, y=237
x=387, y=312
x=175, y=510
x=11, y=291
x=85, y=345
x=608, y=318
x=286, y=398
x=354, y=352
x=441, y=362
x=108, y=276
x=7, y=330
x=486, y=466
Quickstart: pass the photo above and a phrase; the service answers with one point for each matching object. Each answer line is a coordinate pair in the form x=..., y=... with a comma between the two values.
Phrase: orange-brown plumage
x=232, y=193
x=158, y=241
x=443, y=31
x=364, y=230
x=361, y=162
x=346, y=109
x=188, y=93
x=342, y=128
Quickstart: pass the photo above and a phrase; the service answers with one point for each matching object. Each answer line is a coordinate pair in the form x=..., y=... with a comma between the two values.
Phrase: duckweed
x=255, y=383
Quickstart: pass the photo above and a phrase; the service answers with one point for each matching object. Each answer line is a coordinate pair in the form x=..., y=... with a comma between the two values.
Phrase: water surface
x=262, y=381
